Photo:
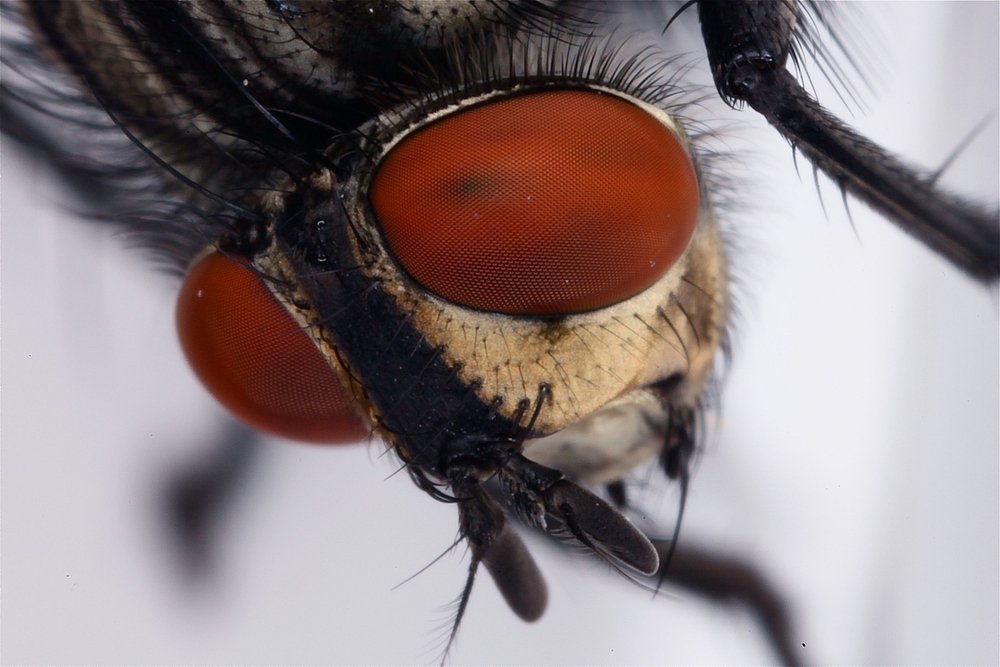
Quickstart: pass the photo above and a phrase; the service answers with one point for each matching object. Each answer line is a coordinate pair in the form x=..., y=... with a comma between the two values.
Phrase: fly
x=281, y=240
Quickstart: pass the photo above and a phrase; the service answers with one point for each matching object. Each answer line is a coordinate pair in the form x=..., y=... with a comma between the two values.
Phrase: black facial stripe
x=434, y=417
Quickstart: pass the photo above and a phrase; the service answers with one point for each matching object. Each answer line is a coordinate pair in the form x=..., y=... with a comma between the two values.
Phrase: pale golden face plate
x=587, y=359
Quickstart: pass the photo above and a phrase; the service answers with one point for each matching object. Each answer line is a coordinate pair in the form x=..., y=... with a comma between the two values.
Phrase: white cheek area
x=608, y=444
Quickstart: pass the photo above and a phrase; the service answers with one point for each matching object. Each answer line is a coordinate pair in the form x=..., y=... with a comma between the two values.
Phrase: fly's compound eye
x=547, y=203
x=256, y=360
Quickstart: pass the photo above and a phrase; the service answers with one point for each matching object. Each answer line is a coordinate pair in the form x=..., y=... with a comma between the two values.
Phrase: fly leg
x=197, y=495
x=730, y=580
x=722, y=579
x=749, y=43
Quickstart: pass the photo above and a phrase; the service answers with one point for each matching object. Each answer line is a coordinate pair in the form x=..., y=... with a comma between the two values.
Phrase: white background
x=856, y=462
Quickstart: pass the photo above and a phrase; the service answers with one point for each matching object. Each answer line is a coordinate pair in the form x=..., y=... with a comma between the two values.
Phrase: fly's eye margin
x=545, y=203
x=256, y=360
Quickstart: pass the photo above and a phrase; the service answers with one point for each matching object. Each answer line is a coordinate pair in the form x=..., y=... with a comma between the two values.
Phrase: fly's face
x=519, y=284
x=499, y=270
x=475, y=231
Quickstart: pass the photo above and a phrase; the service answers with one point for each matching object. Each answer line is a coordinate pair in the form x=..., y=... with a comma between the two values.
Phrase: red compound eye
x=256, y=360
x=543, y=204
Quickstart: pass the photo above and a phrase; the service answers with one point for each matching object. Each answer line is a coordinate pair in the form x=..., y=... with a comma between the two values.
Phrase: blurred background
x=855, y=459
